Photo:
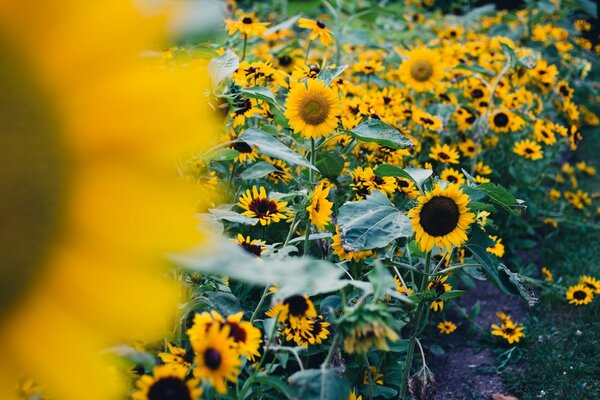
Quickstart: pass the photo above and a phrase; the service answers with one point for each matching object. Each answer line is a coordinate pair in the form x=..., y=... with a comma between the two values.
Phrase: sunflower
x=376, y=376
x=365, y=181
x=216, y=358
x=293, y=309
x=509, y=331
x=407, y=186
x=282, y=173
x=444, y=154
x=353, y=396
x=246, y=24
x=528, y=149
x=319, y=31
x=246, y=337
x=177, y=356
x=580, y=294
x=312, y=109
x=258, y=205
x=547, y=274
x=400, y=288
x=319, y=209
x=453, y=176
x=441, y=218
x=346, y=255
x=468, y=148
x=252, y=246
x=91, y=196
x=498, y=248
x=439, y=286
x=446, y=327
x=374, y=333
x=590, y=282
x=167, y=382
x=543, y=132
x=422, y=70
x=502, y=121
x=482, y=168
x=246, y=152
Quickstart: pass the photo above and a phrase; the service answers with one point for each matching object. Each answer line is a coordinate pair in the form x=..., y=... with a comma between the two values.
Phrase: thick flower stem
x=245, y=44
x=413, y=338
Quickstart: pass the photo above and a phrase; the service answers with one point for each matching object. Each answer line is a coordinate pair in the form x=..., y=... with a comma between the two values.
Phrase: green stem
x=307, y=51
x=413, y=337
x=263, y=296
x=369, y=376
x=245, y=44
x=334, y=345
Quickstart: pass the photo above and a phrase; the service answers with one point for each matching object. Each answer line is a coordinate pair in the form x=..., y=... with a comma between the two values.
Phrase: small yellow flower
x=446, y=327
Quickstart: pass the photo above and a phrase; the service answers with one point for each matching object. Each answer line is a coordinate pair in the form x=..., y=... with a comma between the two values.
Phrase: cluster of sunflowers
x=379, y=155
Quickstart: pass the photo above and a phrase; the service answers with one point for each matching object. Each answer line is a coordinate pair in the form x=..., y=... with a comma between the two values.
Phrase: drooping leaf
x=329, y=75
x=381, y=279
x=375, y=130
x=500, y=196
x=330, y=164
x=222, y=66
x=288, y=23
x=371, y=223
x=293, y=275
x=220, y=154
x=272, y=147
x=259, y=92
x=320, y=384
x=417, y=175
x=232, y=216
x=514, y=61
x=257, y=170
x=474, y=68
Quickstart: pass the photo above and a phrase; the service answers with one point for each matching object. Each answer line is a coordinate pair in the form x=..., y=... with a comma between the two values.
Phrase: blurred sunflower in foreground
x=90, y=195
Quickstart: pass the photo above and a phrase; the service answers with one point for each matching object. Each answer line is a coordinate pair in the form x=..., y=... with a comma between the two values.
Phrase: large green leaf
x=320, y=384
x=501, y=196
x=272, y=147
x=259, y=92
x=371, y=223
x=330, y=164
x=375, y=130
x=257, y=170
x=293, y=275
x=222, y=66
x=417, y=175
x=329, y=75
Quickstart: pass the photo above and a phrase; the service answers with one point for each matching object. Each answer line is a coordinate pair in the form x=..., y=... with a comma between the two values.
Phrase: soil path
x=466, y=371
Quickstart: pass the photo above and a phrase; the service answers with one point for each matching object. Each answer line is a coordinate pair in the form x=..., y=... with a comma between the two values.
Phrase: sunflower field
x=300, y=199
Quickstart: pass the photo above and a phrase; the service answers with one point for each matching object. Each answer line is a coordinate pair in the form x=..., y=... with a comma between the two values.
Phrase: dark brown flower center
x=297, y=305
x=247, y=20
x=263, y=207
x=284, y=61
x=252, y=248
x=237, y=332
x=242, y=147
x=501, y=120
x=439, y=216
x=212, y=358
x=320, y=24
x=579, y=295
x=169, y=388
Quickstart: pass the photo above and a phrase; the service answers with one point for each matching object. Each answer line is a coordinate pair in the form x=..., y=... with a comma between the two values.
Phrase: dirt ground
x=466, y=371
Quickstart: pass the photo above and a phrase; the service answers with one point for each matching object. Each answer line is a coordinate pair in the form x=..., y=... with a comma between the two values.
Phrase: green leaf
x=375, y=130
x=259, y=92
x=220, y=154
x=287, y=24
x=371, y=223
x=417, y=175
x=232, y=216
x=257, y=170
x=499, y=195
x=381, y=279
x=513, y=59
x=384, y=391
x=330, y=164
x=329, y=75
x=293, y=275
x=276, y=384
x=134, y=356
x=321, y=384
x=474, y=68
x=224, y=303
x=272, y=147
x=222, y=66
x=590, y=7
x=451, y=294
x=499, y=274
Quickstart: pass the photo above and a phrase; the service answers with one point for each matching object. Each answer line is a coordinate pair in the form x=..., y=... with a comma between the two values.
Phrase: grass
x=562, y=351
